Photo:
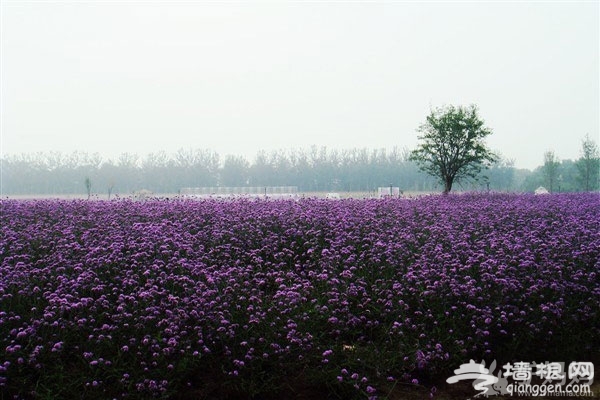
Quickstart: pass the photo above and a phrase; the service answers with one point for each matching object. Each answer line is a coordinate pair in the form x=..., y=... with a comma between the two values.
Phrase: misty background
x=325, y=96
x=317, y=169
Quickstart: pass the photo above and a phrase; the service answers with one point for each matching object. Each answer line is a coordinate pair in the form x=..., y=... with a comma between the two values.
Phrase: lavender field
x=235, y=299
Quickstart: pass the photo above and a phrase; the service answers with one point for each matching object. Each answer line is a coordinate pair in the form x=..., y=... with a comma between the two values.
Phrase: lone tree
x=452, y=145
x=588, y=164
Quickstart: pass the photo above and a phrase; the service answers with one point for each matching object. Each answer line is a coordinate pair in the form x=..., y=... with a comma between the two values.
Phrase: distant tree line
x=582, y=174
x=314, y=169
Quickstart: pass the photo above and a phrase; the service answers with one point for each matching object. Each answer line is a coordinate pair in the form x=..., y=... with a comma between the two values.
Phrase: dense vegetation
x=317, y=169
x=128, y=299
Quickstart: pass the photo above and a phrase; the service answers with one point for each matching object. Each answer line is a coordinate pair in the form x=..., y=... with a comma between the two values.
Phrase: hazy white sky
x=236, y=77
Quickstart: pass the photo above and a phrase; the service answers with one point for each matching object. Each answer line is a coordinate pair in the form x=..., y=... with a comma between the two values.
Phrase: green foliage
x=582, y=175
x=452, y=145
x=588, y=165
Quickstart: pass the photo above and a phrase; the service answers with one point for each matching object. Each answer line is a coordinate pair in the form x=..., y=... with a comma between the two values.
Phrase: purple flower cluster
x=137, y=299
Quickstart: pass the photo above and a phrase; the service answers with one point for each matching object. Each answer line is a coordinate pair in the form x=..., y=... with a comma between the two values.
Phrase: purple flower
x=249, y=284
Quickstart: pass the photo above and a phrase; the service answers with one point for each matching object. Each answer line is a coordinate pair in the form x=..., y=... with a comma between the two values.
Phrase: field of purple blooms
x=241, y=299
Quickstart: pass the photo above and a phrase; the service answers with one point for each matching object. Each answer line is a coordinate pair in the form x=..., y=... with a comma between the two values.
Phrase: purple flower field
x=209, y=299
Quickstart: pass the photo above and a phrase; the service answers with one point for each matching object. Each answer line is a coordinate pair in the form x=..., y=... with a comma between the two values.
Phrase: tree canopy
x=452, y=145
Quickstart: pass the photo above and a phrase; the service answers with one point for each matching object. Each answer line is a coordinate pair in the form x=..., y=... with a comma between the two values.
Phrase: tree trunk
x=447, y=185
